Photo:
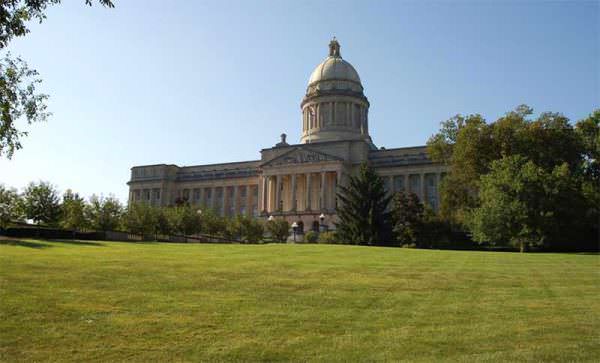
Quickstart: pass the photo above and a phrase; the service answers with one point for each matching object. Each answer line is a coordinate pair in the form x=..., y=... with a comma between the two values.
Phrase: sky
x=200, y=82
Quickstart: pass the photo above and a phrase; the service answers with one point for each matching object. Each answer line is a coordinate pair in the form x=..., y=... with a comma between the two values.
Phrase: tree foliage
x=279, y=229
x=363, y=218
x=41, y=203
x=15, y=14
x=407, y=217
x=73, y=212
x=104, y=214
x=549, y=150
x=18, y=96
x=141, y=218
x=10, y=206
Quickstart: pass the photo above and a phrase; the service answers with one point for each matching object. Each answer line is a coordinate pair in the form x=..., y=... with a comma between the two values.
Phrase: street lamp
x=322, y=219
x=270, y=219
x=294, y=228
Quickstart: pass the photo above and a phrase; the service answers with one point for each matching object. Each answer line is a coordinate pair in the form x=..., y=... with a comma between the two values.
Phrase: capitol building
x=298, y=182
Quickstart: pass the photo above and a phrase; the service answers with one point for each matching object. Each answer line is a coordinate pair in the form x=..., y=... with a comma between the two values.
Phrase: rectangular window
x=186, y=194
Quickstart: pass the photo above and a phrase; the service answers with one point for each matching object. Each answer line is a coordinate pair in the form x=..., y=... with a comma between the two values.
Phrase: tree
x=407, y=218
x=279, y=229
x=362, y=211
x=104, y=214
x=246, y=229
x=588, y=131
x=141, y=218
x=183, y=219
x=524, y=205
x=73, y=210
x=18, y=96
x=468, y=145
x=41, y=203
x=10, y=206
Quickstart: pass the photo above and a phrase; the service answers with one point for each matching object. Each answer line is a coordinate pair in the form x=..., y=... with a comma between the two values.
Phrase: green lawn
x=103, y=301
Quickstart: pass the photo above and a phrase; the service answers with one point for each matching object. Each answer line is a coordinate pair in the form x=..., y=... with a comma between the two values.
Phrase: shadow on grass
x=17, y=242
x=77, y=242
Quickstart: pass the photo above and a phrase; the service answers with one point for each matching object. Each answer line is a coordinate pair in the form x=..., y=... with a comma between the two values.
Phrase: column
x=262, y=206
x=278, y=193
x=223, y=193
x=250, y=199
x=294, y=201
x=422, y=196
x=235, y=201
x=212, y=198
x=322, y=192
x=308, y=177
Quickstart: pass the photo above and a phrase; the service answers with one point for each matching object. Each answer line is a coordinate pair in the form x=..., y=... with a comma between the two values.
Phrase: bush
x=279, y=229
x=328, y=238
x=311, y=237
x=245, y=229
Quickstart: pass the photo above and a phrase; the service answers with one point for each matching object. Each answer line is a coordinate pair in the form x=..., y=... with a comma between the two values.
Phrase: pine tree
x=363, y=216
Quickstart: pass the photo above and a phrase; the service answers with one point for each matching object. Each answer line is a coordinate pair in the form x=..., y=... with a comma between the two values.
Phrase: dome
x=334, y=73
x=334, y=68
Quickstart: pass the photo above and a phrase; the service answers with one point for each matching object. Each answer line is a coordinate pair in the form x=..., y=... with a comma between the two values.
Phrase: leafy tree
x=18, y=96
x=163, y=222
x=469, y=145
x=105, y=214
x=362, y=212
x=279, y=229
x=141, y=218
x=184, y=219
x=407, y=217
x=73, y=214
x=41, y=203
x=588, y=131
x=246, y=229
x=524, y=205
x=212, y=224
x=10, y=206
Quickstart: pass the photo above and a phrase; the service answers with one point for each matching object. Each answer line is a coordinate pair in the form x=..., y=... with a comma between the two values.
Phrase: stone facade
x=298, y=182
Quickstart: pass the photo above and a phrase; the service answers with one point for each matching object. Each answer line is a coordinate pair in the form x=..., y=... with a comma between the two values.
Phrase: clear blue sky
x=191, y=82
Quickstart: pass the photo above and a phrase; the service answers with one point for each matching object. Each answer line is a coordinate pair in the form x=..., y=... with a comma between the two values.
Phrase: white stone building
x=298, y=182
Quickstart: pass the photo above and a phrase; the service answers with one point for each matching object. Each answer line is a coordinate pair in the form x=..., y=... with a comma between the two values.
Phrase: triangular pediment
x=301, y=155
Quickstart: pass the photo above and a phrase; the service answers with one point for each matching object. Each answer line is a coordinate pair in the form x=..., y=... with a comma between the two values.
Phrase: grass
x=103, y=301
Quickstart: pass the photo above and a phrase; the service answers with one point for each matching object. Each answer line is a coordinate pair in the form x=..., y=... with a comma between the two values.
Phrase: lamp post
x=322, y=219
x=270, y=219
x=294, y=228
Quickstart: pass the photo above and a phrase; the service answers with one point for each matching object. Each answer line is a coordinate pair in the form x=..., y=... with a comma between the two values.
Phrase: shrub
x=279, y=229
x=311, y=237
x=328, y=238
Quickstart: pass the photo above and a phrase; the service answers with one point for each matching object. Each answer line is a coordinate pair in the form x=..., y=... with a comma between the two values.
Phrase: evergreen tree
x=363, y=218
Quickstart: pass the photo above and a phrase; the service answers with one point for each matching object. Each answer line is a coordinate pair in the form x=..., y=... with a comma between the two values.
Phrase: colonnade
x=226, y=199
x=299, y=192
